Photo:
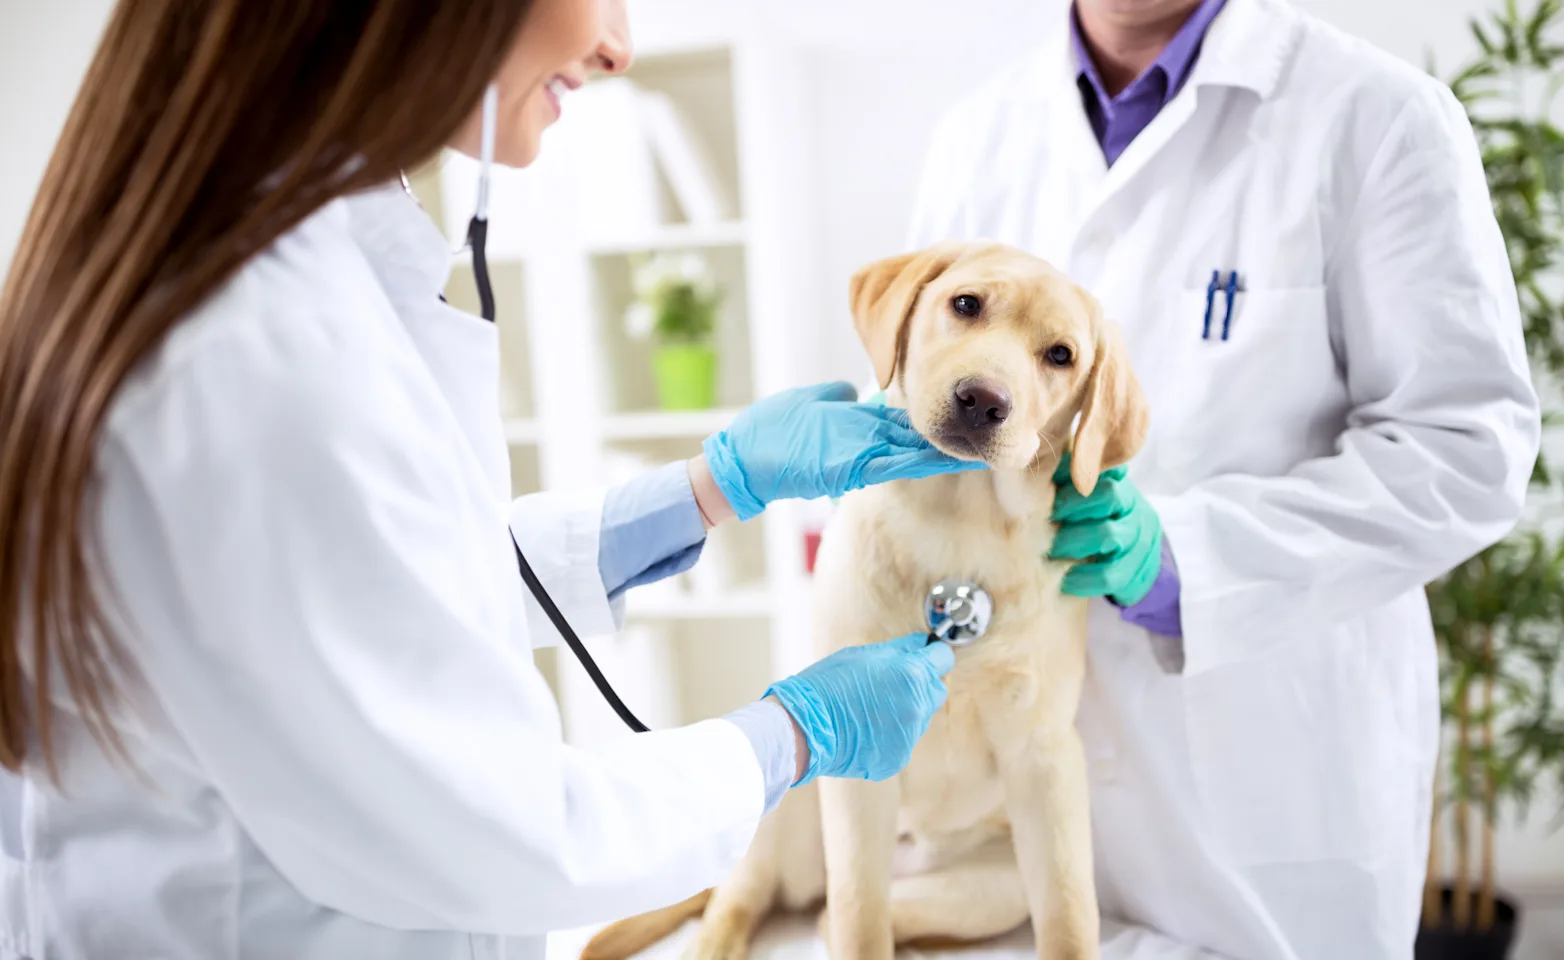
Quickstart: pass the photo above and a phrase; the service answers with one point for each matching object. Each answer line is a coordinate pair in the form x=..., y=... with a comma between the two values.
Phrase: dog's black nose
x=981, y=405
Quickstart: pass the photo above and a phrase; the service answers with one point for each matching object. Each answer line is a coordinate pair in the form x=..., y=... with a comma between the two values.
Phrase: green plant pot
x=686, y=376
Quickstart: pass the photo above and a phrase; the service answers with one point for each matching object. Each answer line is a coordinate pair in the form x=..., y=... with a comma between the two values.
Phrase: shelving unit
x=749, y=602
x=522, y=431
x=579, y=401
x=674, y=236
x=659, y=425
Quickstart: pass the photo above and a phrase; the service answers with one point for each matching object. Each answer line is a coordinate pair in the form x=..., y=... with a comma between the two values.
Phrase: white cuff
x=558, y=532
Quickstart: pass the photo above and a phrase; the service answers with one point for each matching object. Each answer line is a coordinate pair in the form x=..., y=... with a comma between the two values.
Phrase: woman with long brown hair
x=266, y=687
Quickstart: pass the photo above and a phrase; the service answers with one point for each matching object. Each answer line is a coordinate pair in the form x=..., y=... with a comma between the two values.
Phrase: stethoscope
x=957, y=612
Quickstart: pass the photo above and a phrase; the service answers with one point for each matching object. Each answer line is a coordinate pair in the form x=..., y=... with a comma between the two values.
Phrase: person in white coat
x=266, y=678
x=1294, y=231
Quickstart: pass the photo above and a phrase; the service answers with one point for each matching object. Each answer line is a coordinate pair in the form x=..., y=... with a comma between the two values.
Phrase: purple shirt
x=1117, y=120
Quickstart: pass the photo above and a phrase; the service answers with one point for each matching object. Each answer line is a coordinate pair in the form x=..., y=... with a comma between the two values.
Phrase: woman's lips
x=555, y=90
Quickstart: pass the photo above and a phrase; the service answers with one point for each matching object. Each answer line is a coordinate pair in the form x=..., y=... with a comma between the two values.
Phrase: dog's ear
x=1114, y=416
x=883, y=295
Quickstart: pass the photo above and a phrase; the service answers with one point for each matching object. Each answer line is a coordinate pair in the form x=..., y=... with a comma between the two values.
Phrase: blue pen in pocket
x=1232, y=293
x=1211, y=289
x=1228, y=289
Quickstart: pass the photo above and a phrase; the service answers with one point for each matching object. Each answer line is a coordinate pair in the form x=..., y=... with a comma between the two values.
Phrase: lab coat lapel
x=1068, y=194
x=1150, y=142
x=461, y=352
x=1245, y=47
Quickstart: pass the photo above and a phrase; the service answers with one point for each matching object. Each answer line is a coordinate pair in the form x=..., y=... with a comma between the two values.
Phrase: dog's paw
x=1049, y=948
x=854, y=943
x=724, y=937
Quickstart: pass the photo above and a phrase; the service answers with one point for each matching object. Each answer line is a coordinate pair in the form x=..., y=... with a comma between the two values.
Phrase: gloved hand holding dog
x=817, y=441
x=1115, y=534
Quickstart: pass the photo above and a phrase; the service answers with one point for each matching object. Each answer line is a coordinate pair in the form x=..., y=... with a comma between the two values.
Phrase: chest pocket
x=1256, y=402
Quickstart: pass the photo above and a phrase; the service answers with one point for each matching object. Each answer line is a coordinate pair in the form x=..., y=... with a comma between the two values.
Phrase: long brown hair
x=204, y=130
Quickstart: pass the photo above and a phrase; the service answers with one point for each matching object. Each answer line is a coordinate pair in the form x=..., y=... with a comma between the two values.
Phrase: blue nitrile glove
x=1115, y=529
x=863, y=709
x=813, y=442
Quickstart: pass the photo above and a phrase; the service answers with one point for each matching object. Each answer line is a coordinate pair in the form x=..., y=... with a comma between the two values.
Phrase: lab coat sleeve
x=640, y=532
x=1441, y=436
x=345, y=669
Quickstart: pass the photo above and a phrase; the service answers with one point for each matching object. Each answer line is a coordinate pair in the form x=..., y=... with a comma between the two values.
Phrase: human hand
x=817, y=442
x=1114, y=530
x=862, y=709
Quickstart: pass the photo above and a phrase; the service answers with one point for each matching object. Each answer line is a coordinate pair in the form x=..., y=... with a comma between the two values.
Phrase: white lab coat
x=1369, y=423
x=346, y=749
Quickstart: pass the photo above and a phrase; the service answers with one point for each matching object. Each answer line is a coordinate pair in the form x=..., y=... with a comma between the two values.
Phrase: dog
x=997, y=357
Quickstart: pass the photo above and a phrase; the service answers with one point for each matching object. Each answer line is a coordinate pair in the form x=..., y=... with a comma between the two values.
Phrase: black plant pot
x=1445, y=942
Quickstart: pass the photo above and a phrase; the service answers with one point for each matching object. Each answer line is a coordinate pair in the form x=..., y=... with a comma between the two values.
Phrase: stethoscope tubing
x=478, y=244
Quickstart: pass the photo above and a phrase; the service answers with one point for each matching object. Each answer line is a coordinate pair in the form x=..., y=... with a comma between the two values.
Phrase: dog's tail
x=626, y=938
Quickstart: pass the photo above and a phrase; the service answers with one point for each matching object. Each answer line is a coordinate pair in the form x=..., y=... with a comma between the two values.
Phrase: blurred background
x=653, y=276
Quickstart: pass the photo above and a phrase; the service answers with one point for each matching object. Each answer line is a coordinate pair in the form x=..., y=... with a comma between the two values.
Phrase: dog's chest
x=892, y=550
x=892, y=546
x=951, y=786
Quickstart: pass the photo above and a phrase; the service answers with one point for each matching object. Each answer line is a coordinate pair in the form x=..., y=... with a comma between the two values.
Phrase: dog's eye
x=966, y=305
x=1059, y=355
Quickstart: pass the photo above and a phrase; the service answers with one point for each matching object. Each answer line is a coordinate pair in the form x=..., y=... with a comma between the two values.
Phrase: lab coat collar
x=1247, y=46
x=409, y=254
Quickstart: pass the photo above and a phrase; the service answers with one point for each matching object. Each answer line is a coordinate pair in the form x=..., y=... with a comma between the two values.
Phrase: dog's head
x=996, y=353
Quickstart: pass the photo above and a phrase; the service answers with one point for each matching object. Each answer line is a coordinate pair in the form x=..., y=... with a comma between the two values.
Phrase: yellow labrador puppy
x=996, y=356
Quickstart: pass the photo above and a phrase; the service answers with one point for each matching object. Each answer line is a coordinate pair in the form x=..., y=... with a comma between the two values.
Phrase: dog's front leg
x=1050, y=821
x=858, y=818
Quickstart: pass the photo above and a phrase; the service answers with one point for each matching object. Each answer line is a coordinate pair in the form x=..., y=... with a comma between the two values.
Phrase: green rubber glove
x=1115, y=533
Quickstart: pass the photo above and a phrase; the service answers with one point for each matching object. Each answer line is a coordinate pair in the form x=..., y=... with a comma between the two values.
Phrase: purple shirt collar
x=1147, y=93
x=1168, y=71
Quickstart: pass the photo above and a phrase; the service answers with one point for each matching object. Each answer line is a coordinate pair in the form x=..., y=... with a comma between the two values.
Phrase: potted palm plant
x=1497, y=617
x=676, y=305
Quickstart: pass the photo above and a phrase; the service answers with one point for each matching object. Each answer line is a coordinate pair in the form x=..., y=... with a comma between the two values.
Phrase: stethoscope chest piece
x=957, y=612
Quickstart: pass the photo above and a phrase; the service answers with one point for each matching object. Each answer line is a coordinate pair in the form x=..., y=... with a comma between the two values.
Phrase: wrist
x=800, y=744
x=709, y=499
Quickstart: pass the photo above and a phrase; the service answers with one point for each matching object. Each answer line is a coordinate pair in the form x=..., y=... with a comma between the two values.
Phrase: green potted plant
x=1497, y=620
x=1497, y=617
x=675, y=305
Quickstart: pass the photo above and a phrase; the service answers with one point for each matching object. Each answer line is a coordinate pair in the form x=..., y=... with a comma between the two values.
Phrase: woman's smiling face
x=561, y=44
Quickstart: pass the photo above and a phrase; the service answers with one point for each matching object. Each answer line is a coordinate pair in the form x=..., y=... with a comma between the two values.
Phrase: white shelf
x=522, y=430
x=682, y=52
x=675, y=236
x=667, y=424
x=737, y=603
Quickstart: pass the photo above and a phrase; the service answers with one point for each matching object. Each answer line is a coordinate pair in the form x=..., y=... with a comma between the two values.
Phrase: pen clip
x=1211, y=288
x=1231, y=291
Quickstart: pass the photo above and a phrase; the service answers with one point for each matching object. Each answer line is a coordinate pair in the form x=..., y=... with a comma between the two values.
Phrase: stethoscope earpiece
x=478, y=226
